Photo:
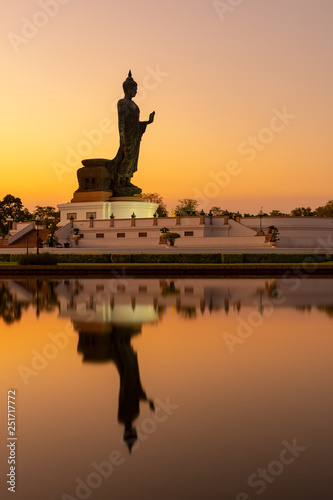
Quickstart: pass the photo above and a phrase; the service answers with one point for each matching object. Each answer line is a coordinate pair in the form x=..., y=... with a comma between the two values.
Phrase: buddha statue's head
x=130, y=86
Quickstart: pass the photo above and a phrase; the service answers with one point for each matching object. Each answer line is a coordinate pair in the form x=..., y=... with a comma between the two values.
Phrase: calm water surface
x=168, y=389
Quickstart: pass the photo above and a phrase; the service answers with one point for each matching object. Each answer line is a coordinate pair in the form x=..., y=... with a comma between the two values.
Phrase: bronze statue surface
x=115, y=175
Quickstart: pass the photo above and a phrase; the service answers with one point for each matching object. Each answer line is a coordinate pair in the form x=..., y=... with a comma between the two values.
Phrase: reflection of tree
x=10, y=307
x=187, y=312
x=161, y=310
x=45, y=296
x=168, y=288
x=116, y=346
x=303, y=308
x=42, y=294
x=271, y=288
x=326, y=309
x=237, y=305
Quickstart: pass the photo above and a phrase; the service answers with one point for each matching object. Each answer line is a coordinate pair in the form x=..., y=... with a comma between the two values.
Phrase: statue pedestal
x=101, y=194
x=89, y=196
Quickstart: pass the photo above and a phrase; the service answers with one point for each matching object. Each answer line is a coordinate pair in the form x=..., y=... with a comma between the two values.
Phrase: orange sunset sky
x=241, y=89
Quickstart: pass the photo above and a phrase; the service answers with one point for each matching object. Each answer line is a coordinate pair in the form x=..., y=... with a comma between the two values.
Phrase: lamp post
x=261, y=213
x=260, y=232
x=37, y=219
x=37, y=298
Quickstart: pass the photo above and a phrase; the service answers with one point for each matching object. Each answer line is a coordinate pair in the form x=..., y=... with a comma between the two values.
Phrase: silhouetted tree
x=277, y=213
x=301, y=212
x=217, y=211
x=186, y=205
x=156, y=198
x=326, y=210
x=45, y=213
x=12, y=206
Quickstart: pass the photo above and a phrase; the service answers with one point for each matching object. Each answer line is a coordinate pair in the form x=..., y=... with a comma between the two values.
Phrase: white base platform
x=103, y=210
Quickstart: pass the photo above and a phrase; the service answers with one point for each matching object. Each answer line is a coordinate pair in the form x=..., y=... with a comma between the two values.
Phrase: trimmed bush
x=120, y=258
x=72, y=258
x=32, y=259
x=232, y=258
x=183, y=258
x=144, y=258
x=282, y=258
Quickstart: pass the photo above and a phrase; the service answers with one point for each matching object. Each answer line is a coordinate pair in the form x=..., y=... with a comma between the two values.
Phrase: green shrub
x=32, y=259
x=283, y=258
x=120, y=258
x=72, y=258
x=144, y=258
x=183, y=258
x=5, y=257
x=226, y=258
x=232, y=258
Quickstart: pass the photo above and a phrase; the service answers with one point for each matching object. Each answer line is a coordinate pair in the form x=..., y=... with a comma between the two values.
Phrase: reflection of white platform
x=121, y=208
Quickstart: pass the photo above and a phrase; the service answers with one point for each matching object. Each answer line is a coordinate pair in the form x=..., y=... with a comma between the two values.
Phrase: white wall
x=298, y=232
x=103, y=209
x=311, y=234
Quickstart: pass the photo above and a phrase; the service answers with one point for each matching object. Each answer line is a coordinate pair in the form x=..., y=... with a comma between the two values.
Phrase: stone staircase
x=22, y=242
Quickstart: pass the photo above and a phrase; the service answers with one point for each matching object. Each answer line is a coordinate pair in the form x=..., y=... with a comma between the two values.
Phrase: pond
x=167, y=389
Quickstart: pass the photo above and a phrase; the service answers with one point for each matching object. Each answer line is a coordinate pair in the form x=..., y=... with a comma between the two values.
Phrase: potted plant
x=76, y=235
x=171, y=237
x=274, y=232
x=163, y=232
x=67, y=243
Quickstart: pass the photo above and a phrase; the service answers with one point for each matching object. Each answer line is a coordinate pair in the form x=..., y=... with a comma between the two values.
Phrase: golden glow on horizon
x=213, y=86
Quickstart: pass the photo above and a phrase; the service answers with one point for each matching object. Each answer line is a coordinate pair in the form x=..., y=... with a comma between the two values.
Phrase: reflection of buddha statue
x=131, y=391
x=116, y=346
